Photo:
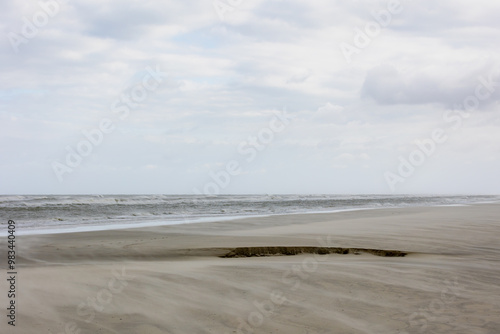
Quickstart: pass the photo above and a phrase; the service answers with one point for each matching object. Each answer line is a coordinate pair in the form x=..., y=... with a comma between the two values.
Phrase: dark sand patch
x=274, y=251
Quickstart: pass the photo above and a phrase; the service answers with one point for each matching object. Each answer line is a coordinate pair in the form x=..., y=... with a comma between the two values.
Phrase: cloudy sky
x=240, y=96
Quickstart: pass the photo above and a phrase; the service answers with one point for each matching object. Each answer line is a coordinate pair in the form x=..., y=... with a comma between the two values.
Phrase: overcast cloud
x=297, y=95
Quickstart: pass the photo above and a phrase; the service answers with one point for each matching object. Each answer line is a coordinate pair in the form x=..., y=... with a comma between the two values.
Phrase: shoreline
x=203, y=220
x=151, y=280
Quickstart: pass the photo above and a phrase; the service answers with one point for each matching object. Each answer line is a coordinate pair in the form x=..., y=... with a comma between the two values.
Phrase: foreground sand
x=172, y=280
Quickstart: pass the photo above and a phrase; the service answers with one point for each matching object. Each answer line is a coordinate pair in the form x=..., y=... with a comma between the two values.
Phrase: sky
x=240, y=96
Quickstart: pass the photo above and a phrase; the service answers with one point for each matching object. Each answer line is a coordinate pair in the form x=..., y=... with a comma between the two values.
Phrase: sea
x=42, y=214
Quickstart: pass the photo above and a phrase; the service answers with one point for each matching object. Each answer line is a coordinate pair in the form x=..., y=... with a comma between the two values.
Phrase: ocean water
x=65, y=213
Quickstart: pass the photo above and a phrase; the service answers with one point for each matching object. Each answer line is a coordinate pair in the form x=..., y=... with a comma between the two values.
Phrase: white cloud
x=225, y=81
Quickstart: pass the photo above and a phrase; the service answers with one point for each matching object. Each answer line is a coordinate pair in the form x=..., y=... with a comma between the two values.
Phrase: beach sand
x=172, y=279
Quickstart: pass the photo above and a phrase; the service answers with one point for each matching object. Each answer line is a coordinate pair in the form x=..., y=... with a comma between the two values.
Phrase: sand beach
x=406, y=270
